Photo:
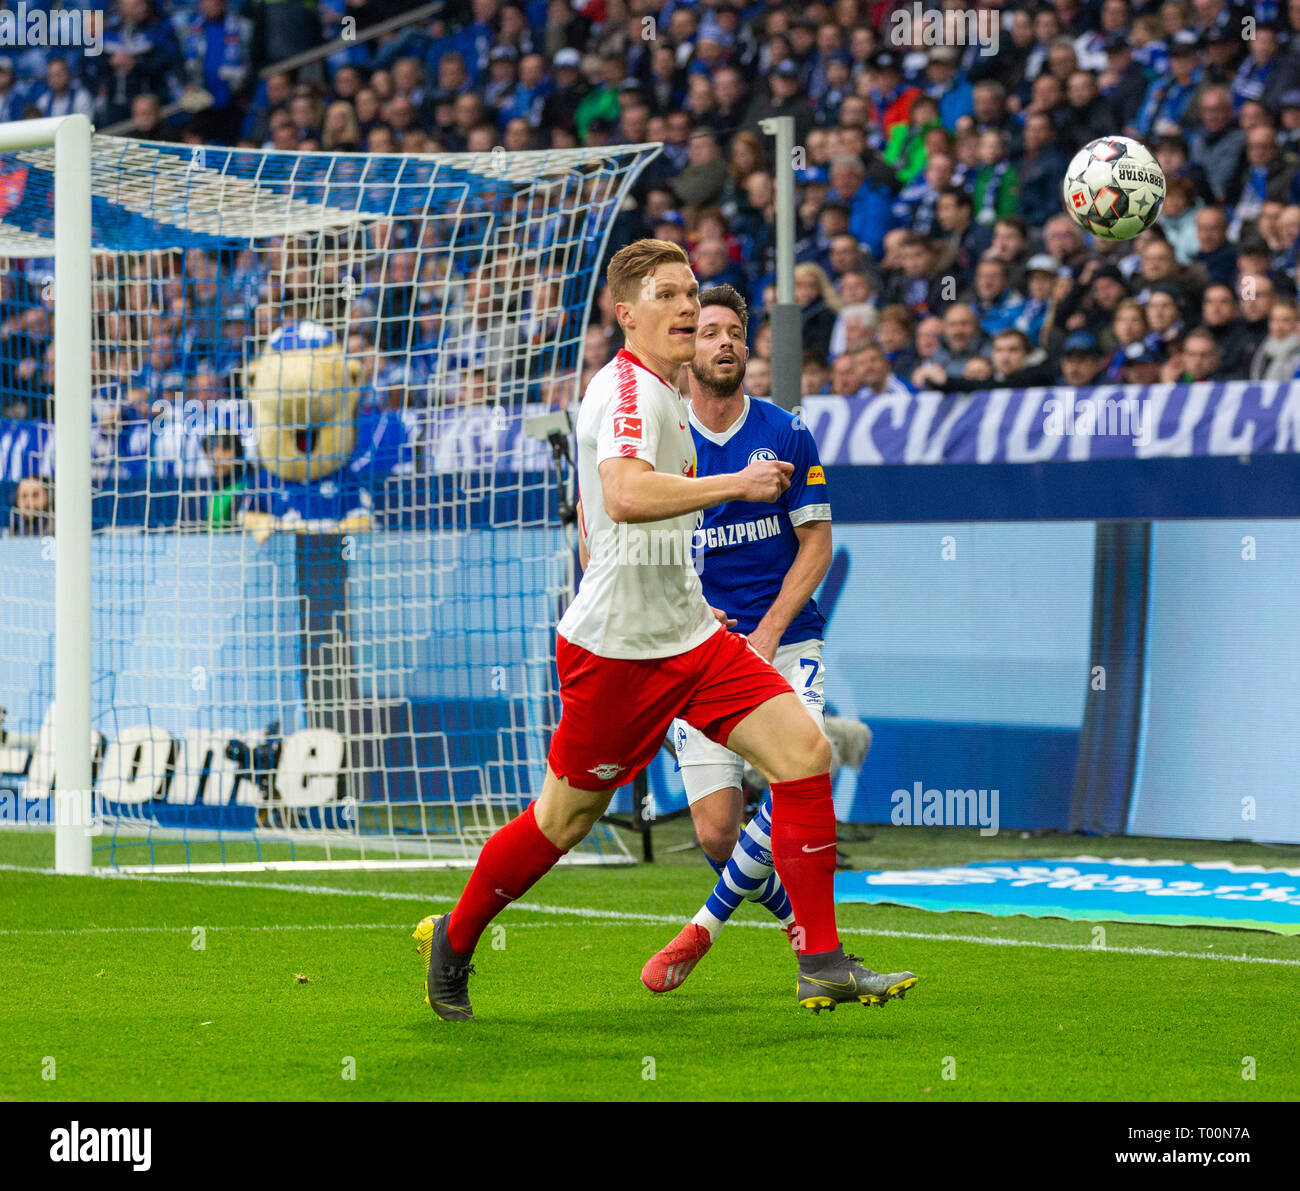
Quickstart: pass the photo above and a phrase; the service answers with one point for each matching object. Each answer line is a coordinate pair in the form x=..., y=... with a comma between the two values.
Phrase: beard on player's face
x=720, y=377
x=721, y=356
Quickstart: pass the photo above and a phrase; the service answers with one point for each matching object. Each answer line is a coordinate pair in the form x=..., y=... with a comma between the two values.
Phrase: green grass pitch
x=307, y=986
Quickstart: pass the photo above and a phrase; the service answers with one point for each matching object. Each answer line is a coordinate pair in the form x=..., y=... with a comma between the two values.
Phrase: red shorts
x=615, y=712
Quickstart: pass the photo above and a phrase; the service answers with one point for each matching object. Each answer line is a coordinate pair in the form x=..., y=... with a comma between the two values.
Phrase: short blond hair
x=637, y=261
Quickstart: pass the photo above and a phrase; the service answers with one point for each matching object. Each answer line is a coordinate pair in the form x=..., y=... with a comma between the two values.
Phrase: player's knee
x=819, y=753
x=718, y=840
x=825, y=754
x=807, y=754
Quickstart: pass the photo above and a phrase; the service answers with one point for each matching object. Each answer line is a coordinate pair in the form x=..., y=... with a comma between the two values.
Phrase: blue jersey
x=744, y=548
x=321, y=504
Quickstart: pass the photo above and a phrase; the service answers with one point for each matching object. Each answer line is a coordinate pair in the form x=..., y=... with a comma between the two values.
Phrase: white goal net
x=326, y=561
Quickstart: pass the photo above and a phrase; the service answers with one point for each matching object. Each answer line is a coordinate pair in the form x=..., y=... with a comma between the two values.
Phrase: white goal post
x=70, y=136
x=349, y=662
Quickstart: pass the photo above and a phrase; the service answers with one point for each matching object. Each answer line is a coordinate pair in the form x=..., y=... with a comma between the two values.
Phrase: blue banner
x=457, y=440
x=1059, y=424
x=1113, y=422
x=1086, y=889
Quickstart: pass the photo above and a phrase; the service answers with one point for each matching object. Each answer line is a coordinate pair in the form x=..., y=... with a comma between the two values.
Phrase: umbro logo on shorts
x=606, y=771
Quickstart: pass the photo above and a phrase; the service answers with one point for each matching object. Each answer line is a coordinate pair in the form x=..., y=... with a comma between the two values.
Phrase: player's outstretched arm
x=809, y=568
x=635, y=492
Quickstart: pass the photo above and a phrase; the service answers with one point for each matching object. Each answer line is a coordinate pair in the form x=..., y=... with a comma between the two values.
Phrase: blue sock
x=748, y=874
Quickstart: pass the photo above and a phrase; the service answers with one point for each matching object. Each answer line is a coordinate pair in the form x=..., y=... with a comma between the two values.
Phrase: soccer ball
x=1114, y=188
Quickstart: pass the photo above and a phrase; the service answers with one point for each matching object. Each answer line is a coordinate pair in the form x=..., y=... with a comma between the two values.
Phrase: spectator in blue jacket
x=1168, y=98
x=966, y=240
x=145, y=43
x=995, y=303
x=1219, y=145
x=1042, y=166
x=528, y=99
x=713, y=265
x=1216, y=256
x=1040, y=277
x=63, y=95
x=217, y=45
x=915, y=205
x=1123, y=84
x=1263, y=74
x=946, y=83
x=869, y=201
x=13, y=98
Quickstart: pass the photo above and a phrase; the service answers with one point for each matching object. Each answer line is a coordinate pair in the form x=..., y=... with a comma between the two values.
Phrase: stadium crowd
x=933, y=250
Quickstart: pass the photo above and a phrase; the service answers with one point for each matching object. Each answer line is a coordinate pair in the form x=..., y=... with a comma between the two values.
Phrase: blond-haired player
x=639, y=647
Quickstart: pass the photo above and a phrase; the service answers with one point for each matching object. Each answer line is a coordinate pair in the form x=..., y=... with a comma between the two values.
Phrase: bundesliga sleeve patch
x=627, y=429
x=816, y=476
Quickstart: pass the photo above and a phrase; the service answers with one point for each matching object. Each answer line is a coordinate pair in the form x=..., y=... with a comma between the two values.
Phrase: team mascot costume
x=314, y=471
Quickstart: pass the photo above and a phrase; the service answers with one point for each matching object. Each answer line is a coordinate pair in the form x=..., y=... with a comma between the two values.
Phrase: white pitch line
x=279, y=926
x=616, y=916
x=282, y=886
x=167, y=930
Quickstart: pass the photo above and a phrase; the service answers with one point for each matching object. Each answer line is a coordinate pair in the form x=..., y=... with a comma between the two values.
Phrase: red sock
x=512, y=861
x=803, y=850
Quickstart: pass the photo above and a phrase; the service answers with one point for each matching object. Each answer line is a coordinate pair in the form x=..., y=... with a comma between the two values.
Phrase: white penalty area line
x=617, y=917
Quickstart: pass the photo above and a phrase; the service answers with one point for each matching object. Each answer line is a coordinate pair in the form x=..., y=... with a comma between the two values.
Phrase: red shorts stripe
x=616, y=711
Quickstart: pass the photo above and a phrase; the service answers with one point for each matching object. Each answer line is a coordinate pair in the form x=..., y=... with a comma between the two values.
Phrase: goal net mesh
x=326, y=558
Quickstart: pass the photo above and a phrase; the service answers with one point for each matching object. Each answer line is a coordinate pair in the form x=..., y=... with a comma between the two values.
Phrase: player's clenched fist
x=765, y=479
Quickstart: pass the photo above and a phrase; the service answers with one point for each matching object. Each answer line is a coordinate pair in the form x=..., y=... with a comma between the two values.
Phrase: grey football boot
x=835, y=978
x=447, y=972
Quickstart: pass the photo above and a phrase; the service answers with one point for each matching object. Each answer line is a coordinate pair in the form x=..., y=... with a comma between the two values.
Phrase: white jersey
x=640, y=595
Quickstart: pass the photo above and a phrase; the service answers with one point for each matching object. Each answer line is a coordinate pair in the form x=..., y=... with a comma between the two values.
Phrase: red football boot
x=669, y=968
